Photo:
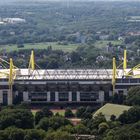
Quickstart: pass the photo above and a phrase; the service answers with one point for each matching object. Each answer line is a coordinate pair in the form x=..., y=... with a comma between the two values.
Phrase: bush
x=20, y=118
x=102, y=127
x=34, y=134
x=84, y=112
x=20, y=45
x=59, y=135
x=81, y=129
x=130, y=116
x=126, y=132
x=69, y=113
x=13, y=133
x=54, y=123
x=45, y=112
x=133, y=97
x=80, y=112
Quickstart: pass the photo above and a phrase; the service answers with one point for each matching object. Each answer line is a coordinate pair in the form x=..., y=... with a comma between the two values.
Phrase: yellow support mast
x=32, y=61
x=114, y=75
x=125, y=62
x=11, y=72
x=11, y=80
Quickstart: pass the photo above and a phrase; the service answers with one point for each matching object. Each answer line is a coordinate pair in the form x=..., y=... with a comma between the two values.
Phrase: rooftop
x=64, y=74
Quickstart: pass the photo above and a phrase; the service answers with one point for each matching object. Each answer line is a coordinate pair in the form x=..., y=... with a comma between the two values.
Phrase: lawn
x=102, y=44
x=112, y=109
x=60, y=111
x=55, y=46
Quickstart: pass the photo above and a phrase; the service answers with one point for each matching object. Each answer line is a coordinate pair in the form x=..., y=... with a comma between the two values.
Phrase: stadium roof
x=58, y=74
x=51, y=74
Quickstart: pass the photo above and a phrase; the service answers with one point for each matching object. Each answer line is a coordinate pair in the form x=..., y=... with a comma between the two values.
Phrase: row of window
x=65, y=96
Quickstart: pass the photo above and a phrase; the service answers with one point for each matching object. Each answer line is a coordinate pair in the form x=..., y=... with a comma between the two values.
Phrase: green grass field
x=60, y=111
x=55, y=46
x=102, y=44
x=112, y=109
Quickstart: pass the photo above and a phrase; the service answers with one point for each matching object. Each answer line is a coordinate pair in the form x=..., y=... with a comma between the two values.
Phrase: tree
x=80, y=111
x=126, y=132
x=81, y=129
x=100, y=118
x=69, y=113
x=21, y=118
x=102, y=127
x=84, y=112
x=12, y=133
x=118, y=98
x=45, y=112
x=34, y=134
x=133, y=97
x=130, y=116
x=54, y=122
x=58, y=135
x=16, y=134
x=113, y=118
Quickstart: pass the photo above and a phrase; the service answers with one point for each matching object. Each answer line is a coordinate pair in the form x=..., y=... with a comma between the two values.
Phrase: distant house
x=12, y=33
x=134, y=33
x=1, y=23
x=104, y=37
x=109, y=48
x=120, y=38
x=13, y=20
x=138, y=52
x=98, y=32
x=100, y=58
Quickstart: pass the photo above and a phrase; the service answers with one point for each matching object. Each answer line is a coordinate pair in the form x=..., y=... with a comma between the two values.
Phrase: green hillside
x=111, y=109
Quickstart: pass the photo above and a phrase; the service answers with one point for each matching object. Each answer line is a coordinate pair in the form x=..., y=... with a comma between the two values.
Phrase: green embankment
x=112, y=109
x=55, y=46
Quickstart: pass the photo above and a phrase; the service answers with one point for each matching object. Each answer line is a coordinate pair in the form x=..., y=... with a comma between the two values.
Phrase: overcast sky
x=64, y=0
x=9, y=1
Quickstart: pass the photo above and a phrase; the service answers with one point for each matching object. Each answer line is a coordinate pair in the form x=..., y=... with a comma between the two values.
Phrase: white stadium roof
x=52, y=74
x=63, y=74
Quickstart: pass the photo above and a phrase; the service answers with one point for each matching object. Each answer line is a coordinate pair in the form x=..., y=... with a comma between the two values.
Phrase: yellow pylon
x=114, y=75
x=125, y=61
x=32, y=61
x=11, y=72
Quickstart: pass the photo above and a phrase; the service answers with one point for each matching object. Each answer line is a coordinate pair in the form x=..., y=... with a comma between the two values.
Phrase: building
x=13, y=20
x=56, y=86
x=65, y=87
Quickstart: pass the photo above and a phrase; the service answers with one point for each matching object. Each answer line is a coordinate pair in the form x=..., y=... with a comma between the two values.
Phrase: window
x=74, y=96
x=63, y=96
x=88, y=96
x=52, y=95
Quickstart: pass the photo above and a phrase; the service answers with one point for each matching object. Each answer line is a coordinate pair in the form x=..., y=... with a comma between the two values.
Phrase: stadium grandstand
x=64, y=87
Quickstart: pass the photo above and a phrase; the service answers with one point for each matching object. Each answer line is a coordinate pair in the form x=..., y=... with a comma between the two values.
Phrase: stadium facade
x=64, y=86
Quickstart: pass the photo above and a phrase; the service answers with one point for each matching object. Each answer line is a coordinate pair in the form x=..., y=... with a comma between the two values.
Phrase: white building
x=14, y=20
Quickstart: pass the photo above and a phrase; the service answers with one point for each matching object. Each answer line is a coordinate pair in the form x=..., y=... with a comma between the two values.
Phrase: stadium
x=64, y=87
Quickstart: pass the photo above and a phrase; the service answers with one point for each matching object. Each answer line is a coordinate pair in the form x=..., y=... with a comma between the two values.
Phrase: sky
x=9, y=1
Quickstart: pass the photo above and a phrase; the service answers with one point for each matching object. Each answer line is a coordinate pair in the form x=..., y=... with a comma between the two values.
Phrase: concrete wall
x=78, y=96
x=26, y=96
x=1, y=97
x=56, y=96
x=101, y=96
x=10, y=97
x=48, y=96
x=70, y=96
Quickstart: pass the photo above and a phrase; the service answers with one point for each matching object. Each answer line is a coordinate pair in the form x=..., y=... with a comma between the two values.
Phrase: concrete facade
x=77, y=91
